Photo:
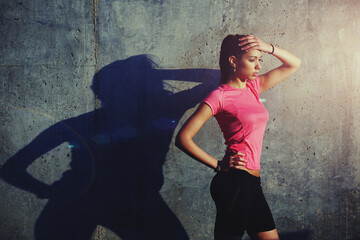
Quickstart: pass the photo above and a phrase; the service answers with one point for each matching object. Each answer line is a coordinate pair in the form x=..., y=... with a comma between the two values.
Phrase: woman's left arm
x=290, y=63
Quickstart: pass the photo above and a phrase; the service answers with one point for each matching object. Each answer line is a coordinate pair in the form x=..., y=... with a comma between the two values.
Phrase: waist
x=253, y=172
x=240, y=173
x=252, y=158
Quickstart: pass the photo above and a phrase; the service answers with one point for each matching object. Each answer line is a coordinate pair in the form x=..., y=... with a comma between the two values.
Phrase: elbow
x=298, y=65
x=178, y=142
x=294, y=66
x=180, y=139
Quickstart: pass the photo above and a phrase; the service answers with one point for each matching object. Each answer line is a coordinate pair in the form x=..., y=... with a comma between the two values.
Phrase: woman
x=236, y=105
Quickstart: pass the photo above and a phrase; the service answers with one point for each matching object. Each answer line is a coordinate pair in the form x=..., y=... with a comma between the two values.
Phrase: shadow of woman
x=117, y=153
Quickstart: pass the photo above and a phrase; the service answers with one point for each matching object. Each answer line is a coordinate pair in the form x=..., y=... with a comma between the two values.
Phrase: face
x=248, y=66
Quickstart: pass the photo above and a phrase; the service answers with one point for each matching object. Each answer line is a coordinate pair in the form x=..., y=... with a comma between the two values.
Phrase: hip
x=226, y=183
x=254, y=172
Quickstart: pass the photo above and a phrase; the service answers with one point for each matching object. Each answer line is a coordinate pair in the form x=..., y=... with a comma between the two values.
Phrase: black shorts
x=240, y=204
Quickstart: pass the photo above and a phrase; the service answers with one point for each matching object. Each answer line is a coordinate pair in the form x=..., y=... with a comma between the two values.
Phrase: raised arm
x=290, y=63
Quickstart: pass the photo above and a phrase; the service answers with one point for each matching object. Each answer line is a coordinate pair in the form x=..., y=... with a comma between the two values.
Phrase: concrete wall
x=87, y=156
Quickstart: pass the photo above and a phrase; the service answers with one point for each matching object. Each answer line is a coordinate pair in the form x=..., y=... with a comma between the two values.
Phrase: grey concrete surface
x=75, y=165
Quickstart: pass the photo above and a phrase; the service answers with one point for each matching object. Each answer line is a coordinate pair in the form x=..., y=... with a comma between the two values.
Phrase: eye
x=260, y=60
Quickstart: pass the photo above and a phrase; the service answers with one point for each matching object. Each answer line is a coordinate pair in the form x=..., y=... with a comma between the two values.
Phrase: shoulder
x=255, y=84
x=215, y=99
x=217, y=92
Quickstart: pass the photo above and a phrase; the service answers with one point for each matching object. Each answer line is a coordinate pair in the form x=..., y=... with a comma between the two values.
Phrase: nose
x=258, y=66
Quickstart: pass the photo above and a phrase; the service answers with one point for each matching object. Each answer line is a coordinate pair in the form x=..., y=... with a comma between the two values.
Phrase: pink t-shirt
x=242, y=118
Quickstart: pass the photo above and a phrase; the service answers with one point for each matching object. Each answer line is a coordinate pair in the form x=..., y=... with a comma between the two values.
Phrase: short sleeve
x=255, y=85
x=214, y=100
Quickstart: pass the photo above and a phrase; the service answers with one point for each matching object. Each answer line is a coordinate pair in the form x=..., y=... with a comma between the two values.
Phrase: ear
x=232, y=61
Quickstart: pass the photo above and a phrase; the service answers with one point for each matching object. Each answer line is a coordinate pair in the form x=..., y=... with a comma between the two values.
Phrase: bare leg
x=268, y=235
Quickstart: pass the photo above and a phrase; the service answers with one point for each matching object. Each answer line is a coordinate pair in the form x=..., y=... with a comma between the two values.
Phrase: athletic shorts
x=240, y=204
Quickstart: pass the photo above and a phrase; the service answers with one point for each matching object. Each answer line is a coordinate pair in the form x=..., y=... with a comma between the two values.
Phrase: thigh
x=232, y=201
x=226, y=237
x=260, y=218
x=272, y=234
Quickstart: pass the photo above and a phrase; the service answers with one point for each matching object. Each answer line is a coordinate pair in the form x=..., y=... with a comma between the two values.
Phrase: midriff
x=255, y=173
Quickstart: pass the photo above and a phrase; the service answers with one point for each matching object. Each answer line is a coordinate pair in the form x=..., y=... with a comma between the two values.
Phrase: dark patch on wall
x=117, y=154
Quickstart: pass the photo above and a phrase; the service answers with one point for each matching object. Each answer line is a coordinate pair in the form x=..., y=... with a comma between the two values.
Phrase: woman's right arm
x=184, y=141
x=184, y=138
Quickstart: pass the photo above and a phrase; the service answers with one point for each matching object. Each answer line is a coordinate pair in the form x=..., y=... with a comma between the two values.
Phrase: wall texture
x=92, y=156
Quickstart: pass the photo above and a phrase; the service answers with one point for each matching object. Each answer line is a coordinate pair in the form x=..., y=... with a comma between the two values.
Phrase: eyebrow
x=256, y=56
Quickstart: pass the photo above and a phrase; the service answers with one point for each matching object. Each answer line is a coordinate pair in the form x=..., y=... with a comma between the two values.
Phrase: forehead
x=253, y=53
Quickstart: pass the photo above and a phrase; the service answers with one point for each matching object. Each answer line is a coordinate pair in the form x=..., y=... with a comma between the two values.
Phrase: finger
x=243, y=38
x=248, y=36
x=246, y=41
x=240, y=167
x=241, y=163
x=238, y=157
x=250, y=46
x=237, y=153
x=235, y=159
x=238, y=162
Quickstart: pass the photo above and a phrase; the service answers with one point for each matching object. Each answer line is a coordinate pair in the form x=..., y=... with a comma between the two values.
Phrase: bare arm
x=290, y=63
x=184, y=141
x=184, y=138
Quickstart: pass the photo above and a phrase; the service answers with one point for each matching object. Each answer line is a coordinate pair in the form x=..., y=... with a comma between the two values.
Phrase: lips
x=255, y=74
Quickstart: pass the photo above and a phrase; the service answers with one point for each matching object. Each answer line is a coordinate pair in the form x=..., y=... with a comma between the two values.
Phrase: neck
x=236, y=82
